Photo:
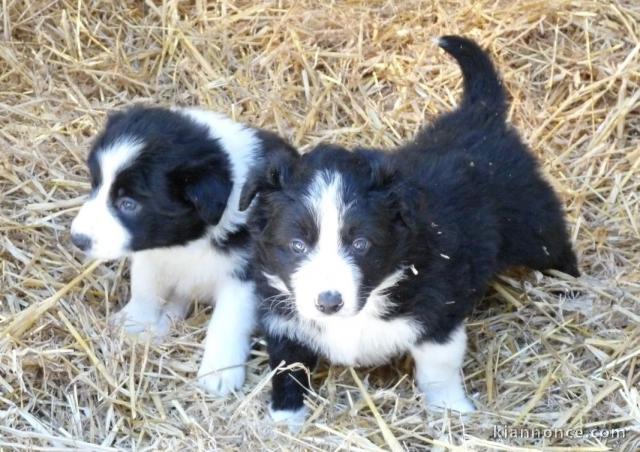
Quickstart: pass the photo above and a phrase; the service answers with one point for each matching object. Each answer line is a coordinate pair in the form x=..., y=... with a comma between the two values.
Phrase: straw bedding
x=546, y=351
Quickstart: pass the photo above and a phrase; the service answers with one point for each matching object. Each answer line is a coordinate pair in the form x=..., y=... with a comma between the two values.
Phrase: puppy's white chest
x=365, y=340
x=353, y=341
x=191, y=271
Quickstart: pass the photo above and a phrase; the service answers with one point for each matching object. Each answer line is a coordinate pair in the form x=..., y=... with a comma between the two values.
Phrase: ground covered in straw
x=546, y=351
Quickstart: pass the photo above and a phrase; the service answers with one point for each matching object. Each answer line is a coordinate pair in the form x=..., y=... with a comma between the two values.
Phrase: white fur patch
x=294, y=419
x=439, y=372
x=96, y=219
x=241, y=144
x=164, y=281
x=326, y=268
x=227, y=345
x=277, y=283
x=362, y=339
x=191, y=271
x=377, y=303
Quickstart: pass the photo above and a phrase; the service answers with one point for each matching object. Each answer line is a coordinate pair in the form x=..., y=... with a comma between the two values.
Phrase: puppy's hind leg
x=567, y=262
x=439, y=372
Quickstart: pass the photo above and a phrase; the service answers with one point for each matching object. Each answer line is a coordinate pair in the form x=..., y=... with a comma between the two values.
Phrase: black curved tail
x=482, y=86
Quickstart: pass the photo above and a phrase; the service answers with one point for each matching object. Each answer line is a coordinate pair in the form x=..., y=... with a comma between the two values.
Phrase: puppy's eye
x=298, y=246
x=127, y=205
x=360, y=245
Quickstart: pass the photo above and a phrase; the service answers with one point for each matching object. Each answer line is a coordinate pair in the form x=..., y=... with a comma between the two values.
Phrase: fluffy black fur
x=462, y=202
x=181, y=180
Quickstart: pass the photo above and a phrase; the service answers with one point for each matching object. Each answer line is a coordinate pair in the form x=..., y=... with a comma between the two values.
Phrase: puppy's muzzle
x=329, y=302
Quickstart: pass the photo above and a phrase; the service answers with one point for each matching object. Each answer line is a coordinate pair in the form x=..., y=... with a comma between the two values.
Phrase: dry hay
x=545, y=351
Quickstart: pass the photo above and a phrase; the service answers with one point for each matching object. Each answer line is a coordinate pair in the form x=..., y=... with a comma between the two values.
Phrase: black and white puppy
x=165, y=191
x=364, y=255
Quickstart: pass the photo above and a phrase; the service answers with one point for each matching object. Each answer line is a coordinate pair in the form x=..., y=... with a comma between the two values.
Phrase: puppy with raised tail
x=165, y=191
x=363, y=255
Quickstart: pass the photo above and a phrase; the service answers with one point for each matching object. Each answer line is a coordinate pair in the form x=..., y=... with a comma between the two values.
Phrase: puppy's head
x=158, y=179
x=331, y=226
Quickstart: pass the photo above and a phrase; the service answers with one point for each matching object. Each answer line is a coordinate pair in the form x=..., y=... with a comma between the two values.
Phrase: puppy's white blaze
x=96, y=219
x=326, y=268
x=362, y=339
x=240, y=143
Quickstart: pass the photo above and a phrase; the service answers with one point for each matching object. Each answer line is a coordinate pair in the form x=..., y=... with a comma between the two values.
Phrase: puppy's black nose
x=82, y=241
x=329, y=302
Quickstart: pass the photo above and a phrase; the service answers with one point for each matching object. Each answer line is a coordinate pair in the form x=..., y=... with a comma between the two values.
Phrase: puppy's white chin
x=321, y=318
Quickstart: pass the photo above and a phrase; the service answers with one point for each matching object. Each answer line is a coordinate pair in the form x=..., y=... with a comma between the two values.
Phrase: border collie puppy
x=165, y=191
x=364, y=255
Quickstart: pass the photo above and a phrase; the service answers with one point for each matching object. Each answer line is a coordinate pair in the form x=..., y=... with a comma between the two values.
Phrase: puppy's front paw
x=458, y=403
x=221, y=382
x=139, y=327
x=293, y=419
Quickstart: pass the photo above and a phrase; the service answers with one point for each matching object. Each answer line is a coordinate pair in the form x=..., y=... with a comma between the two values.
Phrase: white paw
x=293, y=419
x=442, y=400
x=222, y=382
x=140, y=327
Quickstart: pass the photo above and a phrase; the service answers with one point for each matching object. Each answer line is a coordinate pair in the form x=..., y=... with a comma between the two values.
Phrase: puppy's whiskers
x=281, y=301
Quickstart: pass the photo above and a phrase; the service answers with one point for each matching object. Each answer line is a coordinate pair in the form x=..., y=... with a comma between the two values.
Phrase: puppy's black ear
x=388, y=185
x=267, y=176
x=115, y=118
x=381, y=170
x=403, y=201
x=206, y=185
x=271, y=172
